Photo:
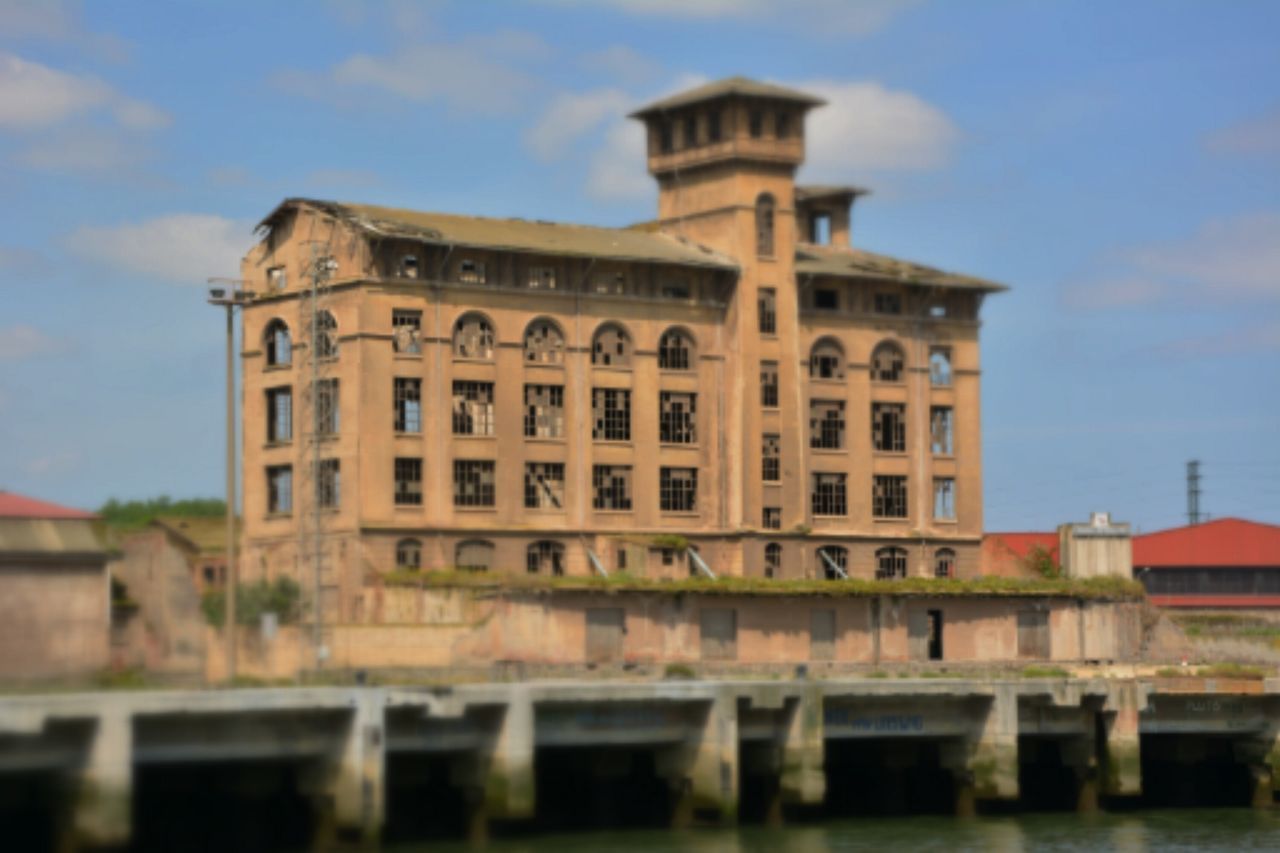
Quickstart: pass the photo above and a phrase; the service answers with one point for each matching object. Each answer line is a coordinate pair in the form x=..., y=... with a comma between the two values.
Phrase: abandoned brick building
x=730, y=389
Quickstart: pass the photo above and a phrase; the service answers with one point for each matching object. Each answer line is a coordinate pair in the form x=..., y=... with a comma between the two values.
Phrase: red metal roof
x=1020, y=544
x=13, y=505
x=1224, y=542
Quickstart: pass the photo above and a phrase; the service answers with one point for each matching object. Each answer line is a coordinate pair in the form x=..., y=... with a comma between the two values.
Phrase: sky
x=1116, y=164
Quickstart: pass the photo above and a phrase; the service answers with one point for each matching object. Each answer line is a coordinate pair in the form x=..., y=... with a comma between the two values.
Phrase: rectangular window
x=277, y=278
x=755, y=124
x=889, y=497
x=677, y=418
x=279, y=414
x=888, y=303
x=473, y=483
x=544, y=485
x=690, y=131
x=714, y=133
x=772, y=518
x=611, y=486
x=666, y=137
x=471, y=272
x=819, y=228
x=611, y=414
x=280, y=488
x=829, y=497
x=472, y=408
x=327, y=407
x=771, y=461
x=678, y=490
x=541, y=278
x=944, y=499
x=769, y=384
x=767, y=308
x=407, y=395
x=408, y=473
x=329, y=483
x=825, y=299
x=940, y=366
x=782, y=125
x=826, y=424
x=940, y=430
x=889, y=427
x=543, y=411
x=676, y=290
x=406, y=331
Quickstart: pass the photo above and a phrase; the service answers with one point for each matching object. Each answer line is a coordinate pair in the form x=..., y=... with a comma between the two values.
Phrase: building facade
x=1225, y=563
x=730, y=389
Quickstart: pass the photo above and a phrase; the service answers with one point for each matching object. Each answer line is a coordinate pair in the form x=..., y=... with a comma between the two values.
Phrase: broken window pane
x=325, y=335
x=829, y=496
x=889, y=427
x=767, y=311
x=677, y=418
x=678, y=489
x=944, y=499
x=543, y=411
x=472, y=408
x=826, y=360
x=611, y=414
x=771, y=462
x=545, y=558
x=611, y=347
x=543, y=343
x=772, y=560
x=940, y=366
x=544, y=485
x=278, y=346
x=408, y=266
x=826, y=424
x=473, y=337
x=769, y=384
x=327, y=406
x=891, y=564
x=940, y=430
x=473, y=482
x=407, y=400
x=675, y=351
x=833, y=562
x=329, y=483
x=471, y=271
x=408, y=476
x=279, y=414
x=280, y=488
x=409, y=554
x=889, y=497
x=406, y=331
x=887, y=362
x=771, y=518
x=611, y=485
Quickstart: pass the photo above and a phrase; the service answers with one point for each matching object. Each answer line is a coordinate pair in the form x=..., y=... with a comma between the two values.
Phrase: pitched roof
x=207, y=534
x=518, y=235
x=861, y=264
x=741, y=86
x=13, y=505
x=1223, y=542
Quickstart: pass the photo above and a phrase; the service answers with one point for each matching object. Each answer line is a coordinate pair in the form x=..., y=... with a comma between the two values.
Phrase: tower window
x=714, y=132
x=769, y=384
x=889, y=427
x=755, y=124
x=690, y=131
x=771, y=462
x=764, y=225
x=767, y=311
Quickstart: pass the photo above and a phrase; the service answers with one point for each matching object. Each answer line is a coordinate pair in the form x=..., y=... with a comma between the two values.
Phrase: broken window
x=764, y=225
x=755, y=123
x=545, y=558
x=279, y=414
x=891, y=564
x=541, y=278
x=472, y=408
x=940, y=430
x=666, y=137
x=833, y=562
x=690, y=131
x=544, y=485
x=944, y=563
x=615, y=283
x=678, y=490
x=828, y=496
x=278, y=346
x=889, y=496
x=767, y=310
x=406, y=331
x=327, y=407
x=826, y=424
x=329, y=483
x=473, y=337
x=408, y=476
x=889, y=427
x=325, y=335
x=944, y=499
x=677, y=418
x=771, y=518
x=772, y=560
x=471, y=271
x=611, y=347
x=408, y=267
x=473, y=482
x=409, y=554
x=771, y=461
x=407, y=400
x=819, y=228
x=938, y=310
x=676, y=350
x=940, y=366
x=714, y=132
x=277, y=278
x=543, y=411
x=826, y=360
x=769, y=384
x=279, y=488
x=474, y=555
x=611, y=487
x=888, y=303
x=826, y=299
x=676, y=290
x=611, y=414
x=543, y=343
x=887, y=362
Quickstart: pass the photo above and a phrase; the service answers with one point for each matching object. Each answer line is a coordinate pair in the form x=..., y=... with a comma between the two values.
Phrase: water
x=1133, y=832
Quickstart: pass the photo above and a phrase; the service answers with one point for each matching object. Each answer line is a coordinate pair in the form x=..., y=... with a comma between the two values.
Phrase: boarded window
x=887, y=362
x=611, y=486
x=889, y=427
x=769, y=384
x=826, y=361
x=543, y=411
x=822, y=635
x=826, y=424
x=473, y=337
x=677, y=418
x=719, y=631
x=611, y=414
x=473, y=408
x=605, y=629
x=473, y=556
x=406, y=331
x=1033, y=634
x=544, y=485
x=611, y=347
x=543, y=343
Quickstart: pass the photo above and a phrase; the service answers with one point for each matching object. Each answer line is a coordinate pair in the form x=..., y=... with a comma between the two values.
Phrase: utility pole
x=1193, y=491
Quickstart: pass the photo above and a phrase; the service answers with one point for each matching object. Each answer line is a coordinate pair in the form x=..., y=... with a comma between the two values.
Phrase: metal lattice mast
x=1193, y=491
x=321, y=267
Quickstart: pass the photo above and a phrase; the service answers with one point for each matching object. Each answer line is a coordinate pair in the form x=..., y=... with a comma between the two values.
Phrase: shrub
x=679, y=671
x=282, y=597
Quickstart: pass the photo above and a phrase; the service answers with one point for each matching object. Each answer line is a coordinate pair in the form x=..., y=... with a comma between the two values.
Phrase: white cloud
x=572, y=115
x=621, y=62
x=184, y=248
x=22, y=342
x=833, y=17
x=84, y=151
x=617, y=171
x=1255, y=136
x=57, y=21
x=35, y=96
x=1249, y=339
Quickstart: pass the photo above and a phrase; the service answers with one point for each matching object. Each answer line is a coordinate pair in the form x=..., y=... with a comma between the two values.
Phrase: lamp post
x=230, y=298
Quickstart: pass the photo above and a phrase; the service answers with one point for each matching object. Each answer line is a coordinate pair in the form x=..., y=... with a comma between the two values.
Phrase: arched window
x=611, y=347
x=325, y=335
x=474, y=555
x=833, y=562
x=473, y=337
x=278, y=345
x=543, y=343
x=676, y=350
x=772, y=560
x=826, y=360
x=887, y=362
x=944, y=563
x=545, y=558
x=764, y=225
x=409, y=554
x=891, y=564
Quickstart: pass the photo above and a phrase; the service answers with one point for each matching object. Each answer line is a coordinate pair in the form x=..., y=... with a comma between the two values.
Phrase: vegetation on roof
x=125, y=516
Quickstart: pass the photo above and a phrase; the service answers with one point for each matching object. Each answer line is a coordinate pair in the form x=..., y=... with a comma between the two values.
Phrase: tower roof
x=731, y=86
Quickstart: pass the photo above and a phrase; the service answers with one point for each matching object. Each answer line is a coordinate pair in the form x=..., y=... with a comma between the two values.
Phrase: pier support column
x=802, y=779
x=703, y=771
x=102, y=811
x=353, y=781
x=1081, y=755
x=1262, y=756
x=993, y=752
x=1121, y=748
x=509, y=781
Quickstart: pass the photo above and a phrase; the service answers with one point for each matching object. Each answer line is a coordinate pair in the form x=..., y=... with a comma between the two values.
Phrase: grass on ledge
x=1101, y=589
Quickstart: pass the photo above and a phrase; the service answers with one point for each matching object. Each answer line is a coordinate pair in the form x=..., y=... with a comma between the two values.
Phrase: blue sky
x=1117, y=164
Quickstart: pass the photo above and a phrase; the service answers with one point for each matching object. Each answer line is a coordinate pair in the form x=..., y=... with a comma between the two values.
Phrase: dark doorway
x=935, y=635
